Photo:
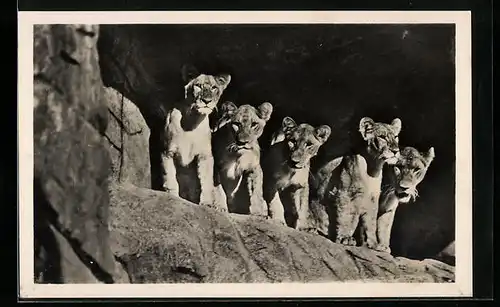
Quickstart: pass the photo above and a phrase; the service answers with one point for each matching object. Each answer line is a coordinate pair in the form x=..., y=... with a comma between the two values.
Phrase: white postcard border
x=461, y=287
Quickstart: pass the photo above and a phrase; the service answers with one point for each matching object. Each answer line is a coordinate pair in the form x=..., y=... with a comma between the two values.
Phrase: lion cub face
x=203, y=91
x=382, y=139
x=246, y=123
x=409, y=171
x=303, y=141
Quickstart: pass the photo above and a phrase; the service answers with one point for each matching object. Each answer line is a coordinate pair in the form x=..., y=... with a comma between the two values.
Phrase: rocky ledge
x=163, y=239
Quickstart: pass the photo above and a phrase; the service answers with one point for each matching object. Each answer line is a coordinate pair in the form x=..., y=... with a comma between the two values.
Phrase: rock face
x=71, y=162
x=163, y=239
x=128, y=138
x=121, y=70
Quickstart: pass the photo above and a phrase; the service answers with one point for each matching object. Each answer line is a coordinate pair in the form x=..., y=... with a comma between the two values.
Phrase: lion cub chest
x=187, y=145
x=236, y=164
x=289, y=177
x=355, y=184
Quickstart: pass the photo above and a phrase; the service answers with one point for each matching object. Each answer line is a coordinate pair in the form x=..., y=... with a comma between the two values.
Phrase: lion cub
x=188, y=135
x=237, y=156
x=286, y=171
x=400, y=186
x=349, y=186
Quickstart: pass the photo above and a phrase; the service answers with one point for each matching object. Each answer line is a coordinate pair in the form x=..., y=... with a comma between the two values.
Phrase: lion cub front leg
x=301, y=200
x=258, y=205
x=369, y=227
x=343, y=225
x=276, y=209
x=384, y=225
x=205, y=168
x=170, y=184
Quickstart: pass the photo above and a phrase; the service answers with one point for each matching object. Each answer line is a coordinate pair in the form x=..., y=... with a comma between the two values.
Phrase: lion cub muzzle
x=392, y=157
x=296, y=163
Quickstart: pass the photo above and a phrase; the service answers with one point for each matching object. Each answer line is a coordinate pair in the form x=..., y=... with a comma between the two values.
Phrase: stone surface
x=128, y=138
x=71, y=162
x=164, y=239
x=119, y=55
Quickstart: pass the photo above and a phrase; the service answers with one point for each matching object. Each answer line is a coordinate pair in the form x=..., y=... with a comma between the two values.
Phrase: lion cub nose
x=404, y=185
x=206, y=100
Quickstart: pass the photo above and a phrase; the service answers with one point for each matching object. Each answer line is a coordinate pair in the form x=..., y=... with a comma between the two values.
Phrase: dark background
x=320, y=74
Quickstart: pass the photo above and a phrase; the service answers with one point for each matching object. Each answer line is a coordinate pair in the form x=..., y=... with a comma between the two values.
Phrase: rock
x=122, y=70
x=447, y=255
x=71, y=162
x=165, y=239
x=128, y=138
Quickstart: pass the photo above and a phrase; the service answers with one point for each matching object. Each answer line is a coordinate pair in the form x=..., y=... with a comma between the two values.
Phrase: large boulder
x=128, y=137
x=164, y=239
x=71, y=162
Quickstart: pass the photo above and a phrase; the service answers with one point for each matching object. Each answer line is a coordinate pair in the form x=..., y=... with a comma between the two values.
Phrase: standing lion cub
x=188, y=135
x=237, y=156
x=349, y=187
x=286, y=171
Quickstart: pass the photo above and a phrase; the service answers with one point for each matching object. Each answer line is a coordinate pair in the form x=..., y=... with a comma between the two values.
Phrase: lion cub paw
x=307, y=229
x=382, y=248
x=346, y=240
x=171, y=192
x=259, y=211
x=215, y=207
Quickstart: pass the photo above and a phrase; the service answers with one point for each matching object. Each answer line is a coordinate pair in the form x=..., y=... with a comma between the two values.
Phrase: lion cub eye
x=235, y=127
x=214, y=88
x=254, y=125
x=197, y=86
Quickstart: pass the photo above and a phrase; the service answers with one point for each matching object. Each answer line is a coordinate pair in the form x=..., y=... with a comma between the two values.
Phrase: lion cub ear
x=286, y=126
x=189, y=72
x=223, y=80
x=323, y=133
x=430, y=155
x=228, y=108
x=265, y=111
x=366, y=125
x=396, y=126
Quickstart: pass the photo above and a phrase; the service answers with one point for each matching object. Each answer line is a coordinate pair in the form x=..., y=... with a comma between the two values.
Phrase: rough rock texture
x=163, y=239
x=128, y=138
x=121, y=61
x=71, y=162
x=321, y=74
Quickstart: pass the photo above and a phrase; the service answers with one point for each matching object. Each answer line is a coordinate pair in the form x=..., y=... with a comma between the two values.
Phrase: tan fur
x=188, y=134
x=286, y=171
x=237, y=156
x=349, y=186
x=400, y=186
